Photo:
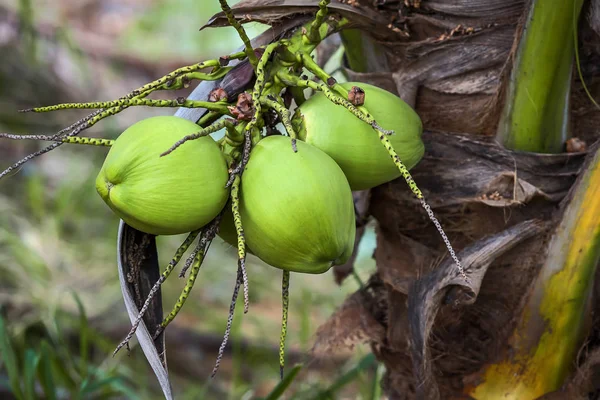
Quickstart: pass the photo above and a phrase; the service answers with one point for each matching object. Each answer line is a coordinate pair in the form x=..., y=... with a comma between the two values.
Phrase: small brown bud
x=575, y=145
x=331, y=81
x=356, y=96
x=259, y=52
x=181, y=100
x=244, y=108
x=287, y=99
x=217, y=94
x=223, y=61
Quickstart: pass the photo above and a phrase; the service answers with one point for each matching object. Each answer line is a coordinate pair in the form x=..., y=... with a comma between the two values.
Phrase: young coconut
x=168, y=195
x=353, y=144
x=296, y=208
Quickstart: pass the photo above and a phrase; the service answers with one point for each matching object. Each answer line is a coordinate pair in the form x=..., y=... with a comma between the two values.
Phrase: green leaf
x=367, y=362
x=83, y=337
x=284, y=383
x=63, y=360
x=45, y=371
x=31, y=363
x=89, y=388
x=120, y=387
x=376, y=389
x=59, y=367
x=10, y=361
x=36, y=196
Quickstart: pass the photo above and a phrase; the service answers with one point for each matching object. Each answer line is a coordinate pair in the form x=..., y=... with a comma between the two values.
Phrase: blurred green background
x=61, y=309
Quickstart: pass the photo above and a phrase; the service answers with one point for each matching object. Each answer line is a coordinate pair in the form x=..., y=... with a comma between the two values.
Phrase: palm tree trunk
x=460, y=66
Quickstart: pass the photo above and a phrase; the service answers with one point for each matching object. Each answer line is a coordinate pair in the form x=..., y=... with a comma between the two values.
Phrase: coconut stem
x=537, y=107
x=163, y=277
x=285, y=303
x=312, y=66
x=241, y=32
x=298, y=95
x=315, y=27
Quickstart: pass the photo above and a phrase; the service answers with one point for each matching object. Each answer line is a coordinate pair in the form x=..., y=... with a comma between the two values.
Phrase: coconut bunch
x=286, y=198
x=295, y=202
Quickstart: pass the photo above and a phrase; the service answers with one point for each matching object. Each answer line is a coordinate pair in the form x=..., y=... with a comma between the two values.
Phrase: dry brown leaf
x=458, y=169
x=273, y=12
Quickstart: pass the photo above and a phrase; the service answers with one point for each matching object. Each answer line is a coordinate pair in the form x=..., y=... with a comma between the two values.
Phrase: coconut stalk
x=363, y=54
x=536, y=111
x=543, y=347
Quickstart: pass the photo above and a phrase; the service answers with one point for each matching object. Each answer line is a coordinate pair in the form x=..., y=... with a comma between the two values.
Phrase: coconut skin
x=168, y=195
x=354, y=144
x=296, y=208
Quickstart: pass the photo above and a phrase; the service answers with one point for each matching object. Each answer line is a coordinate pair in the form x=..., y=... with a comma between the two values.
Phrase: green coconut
x=296, y=208
x=353, y=144
x=227, y=230
x=168, y=195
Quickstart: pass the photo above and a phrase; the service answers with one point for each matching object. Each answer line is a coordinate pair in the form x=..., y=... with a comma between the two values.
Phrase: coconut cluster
x=296, y=207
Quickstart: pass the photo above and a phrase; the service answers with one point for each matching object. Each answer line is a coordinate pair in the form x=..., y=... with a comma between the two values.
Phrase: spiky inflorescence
x=226, y=123
x=285, y=304
x=174, y=80
x=88, y=141
x=239, y=168
x=259, y=85
x=241, y=32
x=77, y=129
x=234, y=296
x=54, y=138
x=284, y=114
x=241, y=240
x=206, y=238
x=163, y=277
x=136, y=101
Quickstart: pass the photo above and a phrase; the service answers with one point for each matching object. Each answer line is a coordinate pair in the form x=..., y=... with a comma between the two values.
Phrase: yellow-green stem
x=543, y=347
